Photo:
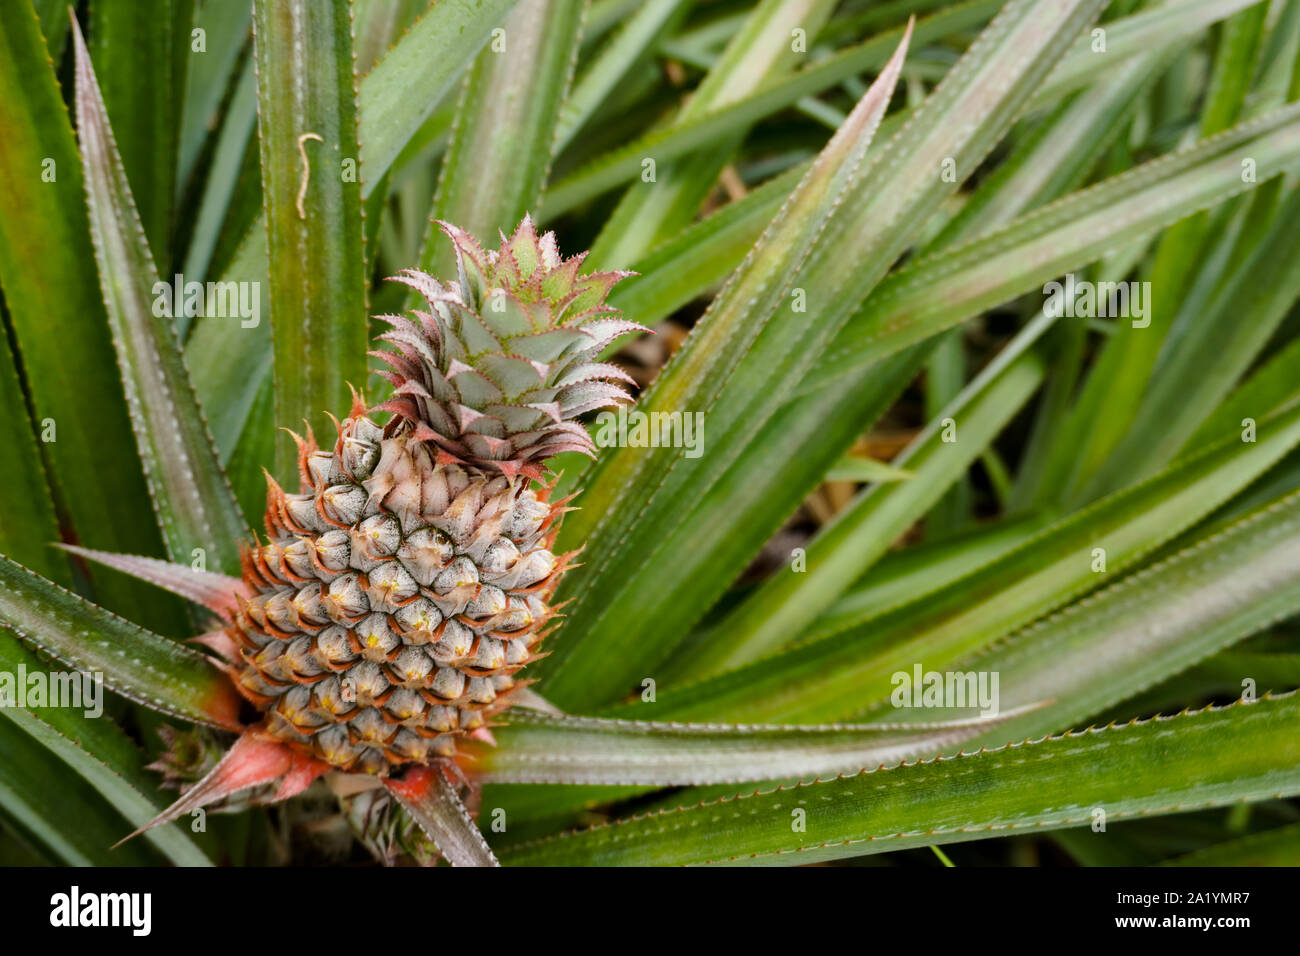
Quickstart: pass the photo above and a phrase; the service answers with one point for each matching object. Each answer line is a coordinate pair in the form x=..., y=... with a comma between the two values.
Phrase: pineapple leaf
x=1199, y=367
x=57, y=314
x=311, y=192
x=500, y=150
x=1165, y=765
x=1078, y=67
x=136, y=663
x=1140, y=33
x=28, y=530
x=538, y=748
x=903, y=576
x=1056, y=154
x=225, y=26
x=1129, y=357
x=434, y=805
x=760, y=49
x=940, y=290
x=143, y=52
x=742, y=365
x=856, y=468
x=428, y=58
x=788, y=601
x=216, y=592
x=219, y=188
x=843, y=674
x=250, y=762
x=701, y=256
x=1152, y=624
x=762, y=483
x=41, y=796
x=378, y=24
x=53, y=16
x=1271, y=386
x=630, y=47
x=1279, y=846
x=1270, y=670
x=95, y=748
x=195, y=506
x=698, y=129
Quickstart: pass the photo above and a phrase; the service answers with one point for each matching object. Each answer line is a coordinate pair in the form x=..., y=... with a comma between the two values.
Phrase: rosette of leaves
x=919, y=464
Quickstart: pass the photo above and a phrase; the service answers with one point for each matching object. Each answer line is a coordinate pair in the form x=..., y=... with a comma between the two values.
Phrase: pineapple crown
x=506, y=356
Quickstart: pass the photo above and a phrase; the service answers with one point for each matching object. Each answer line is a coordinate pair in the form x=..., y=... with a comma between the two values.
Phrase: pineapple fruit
x=408, y=581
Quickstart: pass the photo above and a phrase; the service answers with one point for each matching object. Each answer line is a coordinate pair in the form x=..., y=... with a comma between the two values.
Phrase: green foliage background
x=1113, y=531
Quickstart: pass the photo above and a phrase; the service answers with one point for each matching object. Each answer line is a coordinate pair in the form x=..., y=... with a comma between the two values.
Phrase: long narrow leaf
x=57, y=311
x=136, y=663
x=224, y=25
x=435, y=806
x=307, y=126
x=1101, y=417
x=845, y=674
x=742, y=364
x=1276, y=847
x=537, y=748
x=1153, y=624
x=42, y=798
x=1076, y=68
x=98, y=751
x=428, y=59
x=788, y=601
x=933, y=294
x=653, y=210
x=1203, y=365
x=500, y=151
x=631, y=46
x=30, y=524
x=1169, y=765
x=196, y=508
x=143, y=52
x=906, y=575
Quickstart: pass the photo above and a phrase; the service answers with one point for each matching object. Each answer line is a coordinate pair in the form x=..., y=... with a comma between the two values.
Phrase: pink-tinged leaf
x=60, y=333
x=528, y=698
x=216, y=592
x=193, y=500
x=251, y=762
x=220, y=643
x=134, y=662
x=433, y=803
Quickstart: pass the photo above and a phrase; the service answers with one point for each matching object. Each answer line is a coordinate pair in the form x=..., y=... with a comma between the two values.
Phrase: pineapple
x=404, y=586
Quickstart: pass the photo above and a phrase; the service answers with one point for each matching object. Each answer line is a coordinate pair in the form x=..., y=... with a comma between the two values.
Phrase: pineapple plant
x=314, y=262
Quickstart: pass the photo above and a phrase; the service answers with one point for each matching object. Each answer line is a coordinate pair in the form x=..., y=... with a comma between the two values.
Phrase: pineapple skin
x=394, y=601
x=407, y=582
